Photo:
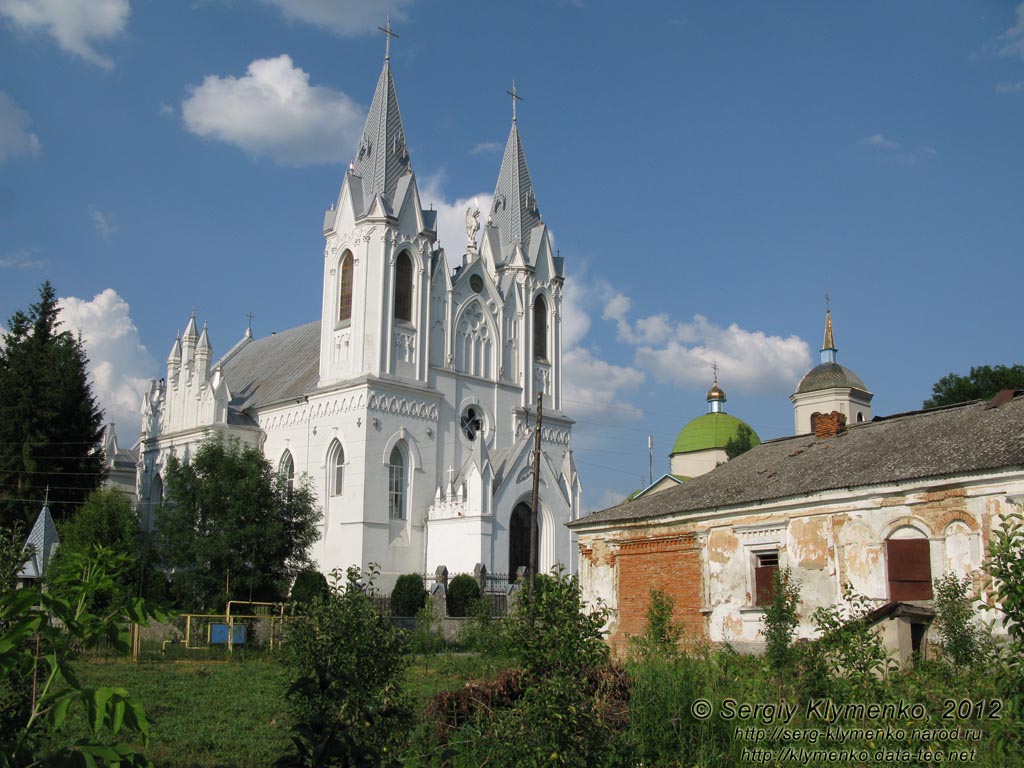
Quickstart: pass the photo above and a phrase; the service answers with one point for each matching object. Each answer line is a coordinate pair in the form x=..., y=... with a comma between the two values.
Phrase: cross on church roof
x=515, y=97
x=388, y=35
x=714, y=368
x=828, y=302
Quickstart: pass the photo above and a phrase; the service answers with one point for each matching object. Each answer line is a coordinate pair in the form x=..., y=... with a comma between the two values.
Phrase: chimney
x=828, y=424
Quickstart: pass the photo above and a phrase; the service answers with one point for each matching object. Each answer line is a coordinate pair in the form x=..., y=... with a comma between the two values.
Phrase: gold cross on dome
x=714, y=368
x=515, y=97
x=388, y=35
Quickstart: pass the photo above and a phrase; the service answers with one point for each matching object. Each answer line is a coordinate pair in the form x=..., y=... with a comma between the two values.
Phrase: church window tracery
x=345, y=295
x=472, y=422
x=540, y=329
x=396, y=484
x=474, y=346
x=403, y=288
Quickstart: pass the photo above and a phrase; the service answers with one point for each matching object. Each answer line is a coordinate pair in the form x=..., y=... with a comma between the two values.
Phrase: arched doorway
x=518, y=539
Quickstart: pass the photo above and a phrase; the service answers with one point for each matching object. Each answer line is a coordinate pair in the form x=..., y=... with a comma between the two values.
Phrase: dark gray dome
x=828, y=376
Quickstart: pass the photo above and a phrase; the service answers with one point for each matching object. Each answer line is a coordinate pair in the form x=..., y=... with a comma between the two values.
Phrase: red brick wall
x=670, y=563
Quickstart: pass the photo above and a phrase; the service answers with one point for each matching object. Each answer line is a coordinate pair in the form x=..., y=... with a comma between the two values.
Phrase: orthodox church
x=411, y=403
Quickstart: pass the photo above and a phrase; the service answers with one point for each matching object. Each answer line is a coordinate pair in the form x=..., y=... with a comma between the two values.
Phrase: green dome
x=712, y=430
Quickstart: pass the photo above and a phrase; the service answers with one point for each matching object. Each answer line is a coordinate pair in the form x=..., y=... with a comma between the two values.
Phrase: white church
x=411, y=402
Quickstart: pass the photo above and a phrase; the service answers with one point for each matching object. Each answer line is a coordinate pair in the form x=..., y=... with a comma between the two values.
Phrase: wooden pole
x=534, y=555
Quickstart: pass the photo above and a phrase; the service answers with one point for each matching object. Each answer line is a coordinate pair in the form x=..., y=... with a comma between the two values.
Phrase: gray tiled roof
x=827, y=376
x=913, y=446
x=514, y=208
x=274, y=368
x=382, y=156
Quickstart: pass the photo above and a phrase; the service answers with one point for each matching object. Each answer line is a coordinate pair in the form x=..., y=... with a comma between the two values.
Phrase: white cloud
x=119, y=365
x=451, y=216
x=273, y=111
x=592, y=386
x=1005, y=88
x=15, y=136
x=486, y=147
x=104, y=222
x=879, y=141
x=1012, y=40
x=74, y=24
x=343, y=17
x=751, y=361
x=21, y=259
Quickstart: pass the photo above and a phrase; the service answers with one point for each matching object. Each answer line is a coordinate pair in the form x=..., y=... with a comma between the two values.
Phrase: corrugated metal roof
x=941, y=442
x=274, y=368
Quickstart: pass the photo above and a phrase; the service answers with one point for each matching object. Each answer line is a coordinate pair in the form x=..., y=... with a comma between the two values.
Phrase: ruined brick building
x=887, y=505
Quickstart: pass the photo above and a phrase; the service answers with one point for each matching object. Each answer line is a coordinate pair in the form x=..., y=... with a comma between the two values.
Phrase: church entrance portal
x=518, y=539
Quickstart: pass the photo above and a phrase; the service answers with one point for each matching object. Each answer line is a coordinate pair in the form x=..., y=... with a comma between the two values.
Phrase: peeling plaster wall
x=826, y=541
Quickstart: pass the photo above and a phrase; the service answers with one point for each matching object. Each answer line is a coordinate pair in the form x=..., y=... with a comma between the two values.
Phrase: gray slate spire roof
x=383, y=155
x=514, y=209
x=43, y=540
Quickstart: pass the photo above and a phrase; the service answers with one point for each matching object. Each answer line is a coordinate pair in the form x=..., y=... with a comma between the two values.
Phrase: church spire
x=514, y=209
x=716, y=395
x=829, y=353
x=383, y=155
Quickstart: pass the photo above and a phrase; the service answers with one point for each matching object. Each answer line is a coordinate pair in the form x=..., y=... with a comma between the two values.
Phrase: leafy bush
x=462, y=591
x=661, y=636
x=347, y=663
x=849, y=648
x=309, y=585
x=408, y=596
x=781, y=617
x=963, y=643
x=41, y=633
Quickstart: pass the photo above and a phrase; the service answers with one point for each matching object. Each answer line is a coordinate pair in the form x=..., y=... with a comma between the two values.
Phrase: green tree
x=741, y=443
x=981, y=383
x=781, y=617
x=347, y=662
x=50, y=425
x=232, y=527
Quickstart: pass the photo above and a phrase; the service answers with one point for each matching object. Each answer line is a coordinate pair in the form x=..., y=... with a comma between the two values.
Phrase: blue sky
x=709, y=171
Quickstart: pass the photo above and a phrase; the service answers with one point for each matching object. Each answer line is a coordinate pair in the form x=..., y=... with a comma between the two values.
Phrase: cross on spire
x=515, y=97
x=828, y=302
x=714, y=368
x=388, y=34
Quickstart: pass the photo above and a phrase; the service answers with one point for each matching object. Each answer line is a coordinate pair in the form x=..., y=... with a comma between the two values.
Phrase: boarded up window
x=910, y=570
x=766, y=565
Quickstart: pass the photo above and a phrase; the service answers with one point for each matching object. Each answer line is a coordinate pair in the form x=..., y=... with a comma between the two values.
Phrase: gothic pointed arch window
x=403, y=287
x=336, y=469
x=345, y=294
x=396, y=483
x=474, y=342
x=286, y=471
x=540, y=329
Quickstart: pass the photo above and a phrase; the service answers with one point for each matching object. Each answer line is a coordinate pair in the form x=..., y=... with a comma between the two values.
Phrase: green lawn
x=219, y=714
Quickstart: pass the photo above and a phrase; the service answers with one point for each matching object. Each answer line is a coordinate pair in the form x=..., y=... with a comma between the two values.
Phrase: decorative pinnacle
x=388, y=35
x=515, y=97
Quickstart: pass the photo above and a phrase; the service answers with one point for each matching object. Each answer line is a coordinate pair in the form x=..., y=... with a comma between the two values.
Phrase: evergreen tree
x=741, y=443
x=232, y=527
x=50, y=424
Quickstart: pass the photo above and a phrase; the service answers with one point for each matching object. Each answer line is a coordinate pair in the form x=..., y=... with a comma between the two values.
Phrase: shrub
x=309, y=585
x=661, y=636
x=347, y=663
x=849, y=647
x=408, y=596
x=780, y=619
x=462, y=591
x=962, y=641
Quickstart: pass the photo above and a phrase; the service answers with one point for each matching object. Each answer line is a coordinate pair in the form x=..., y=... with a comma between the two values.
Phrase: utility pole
x=534, y=559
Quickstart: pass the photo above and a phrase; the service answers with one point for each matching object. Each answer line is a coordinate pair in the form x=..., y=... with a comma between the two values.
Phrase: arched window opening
x=345, y=301
x=519, y=539
x=472, y=422
x=286, y=470
x=860, y=416
x=403, y=288
x=910, y=569
x=540, y=329
x=336, y=470
x=396, y=484
x=156, y=491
